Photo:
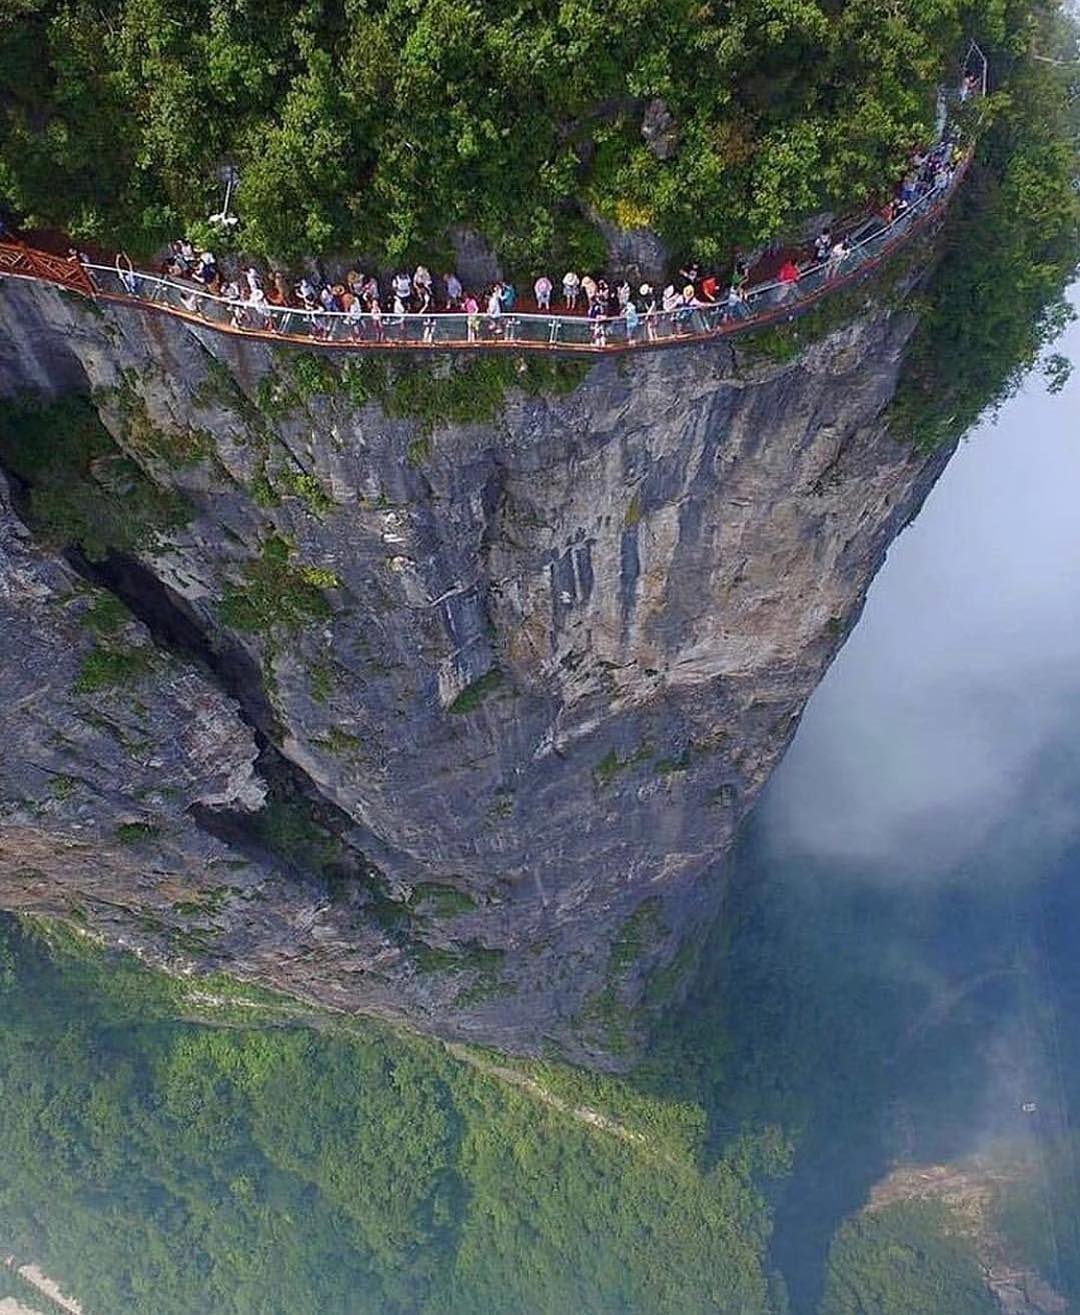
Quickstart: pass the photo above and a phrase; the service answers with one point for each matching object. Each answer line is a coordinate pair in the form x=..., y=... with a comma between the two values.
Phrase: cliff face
x=511, y=682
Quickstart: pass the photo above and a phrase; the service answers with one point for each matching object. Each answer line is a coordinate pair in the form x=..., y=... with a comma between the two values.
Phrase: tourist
x=422, y=281
x=472, y=320
x=622, y=296
x=735, y=308
x=424, y=298
x=597, y=313
x=495, y=308
x=253, y=278
x=710, y=288
x=281, y=287
x=508, y=296
x=670, y=304
x=837, y=256
x=206, y=271
x=630, y=315
x=822, y=246
x=453, y=288
x=788, y=277
x=402, y=287
x=354, y=317
x=376, y=314
x=260, y=307
x=231, y=294
x=685, y=311
x=588, y=287
x=542, y=290
x=182, y=255
x=648, y=310
x=571, y=289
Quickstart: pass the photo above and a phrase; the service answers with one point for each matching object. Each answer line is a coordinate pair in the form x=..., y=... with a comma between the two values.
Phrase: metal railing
x=763, y=304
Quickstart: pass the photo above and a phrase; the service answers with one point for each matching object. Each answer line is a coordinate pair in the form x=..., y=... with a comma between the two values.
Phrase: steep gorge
x=453, y=712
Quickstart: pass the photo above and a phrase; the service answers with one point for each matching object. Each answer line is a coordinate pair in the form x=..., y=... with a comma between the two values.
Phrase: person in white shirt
x=571, y=289
x=355, y=317
x=260, y=306
x=542, y=288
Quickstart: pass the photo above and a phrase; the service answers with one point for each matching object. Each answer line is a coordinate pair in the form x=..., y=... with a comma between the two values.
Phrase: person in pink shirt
x=472, y=312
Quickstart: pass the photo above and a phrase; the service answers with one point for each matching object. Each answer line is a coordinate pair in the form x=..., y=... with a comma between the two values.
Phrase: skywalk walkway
x=871, y=242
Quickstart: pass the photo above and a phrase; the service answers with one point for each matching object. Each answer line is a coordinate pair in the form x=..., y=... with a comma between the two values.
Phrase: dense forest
x=155, y=1166
x=252, y=1164
x=370, y=126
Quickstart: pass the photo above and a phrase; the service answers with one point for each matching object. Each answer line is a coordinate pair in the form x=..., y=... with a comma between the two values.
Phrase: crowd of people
x=362, y=306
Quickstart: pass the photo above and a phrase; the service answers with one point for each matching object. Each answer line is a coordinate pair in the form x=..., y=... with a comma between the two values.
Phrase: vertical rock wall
x=533, y=666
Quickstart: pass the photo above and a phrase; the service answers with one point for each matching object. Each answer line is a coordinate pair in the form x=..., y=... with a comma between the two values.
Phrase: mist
x=964, y=671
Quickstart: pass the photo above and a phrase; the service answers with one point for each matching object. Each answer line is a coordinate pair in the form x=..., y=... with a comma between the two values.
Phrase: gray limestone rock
x=556, y=653
x=475, y=263
x=660, y=130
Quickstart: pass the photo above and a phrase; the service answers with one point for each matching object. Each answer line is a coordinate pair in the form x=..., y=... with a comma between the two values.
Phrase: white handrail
x=197, y=301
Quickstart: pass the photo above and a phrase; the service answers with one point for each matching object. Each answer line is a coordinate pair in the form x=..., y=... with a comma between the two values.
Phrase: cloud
x=964, y=673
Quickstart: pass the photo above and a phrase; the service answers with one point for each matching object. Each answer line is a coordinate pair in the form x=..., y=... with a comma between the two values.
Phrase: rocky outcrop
x=660, y=130
x=526, y=670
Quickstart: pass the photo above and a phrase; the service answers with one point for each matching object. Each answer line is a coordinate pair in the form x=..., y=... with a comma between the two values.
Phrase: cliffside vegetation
x=908, y=1259
x=372, y=127
x=998, y=300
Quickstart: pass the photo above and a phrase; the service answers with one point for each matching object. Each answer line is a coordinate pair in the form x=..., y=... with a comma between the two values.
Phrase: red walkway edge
x=18, y=261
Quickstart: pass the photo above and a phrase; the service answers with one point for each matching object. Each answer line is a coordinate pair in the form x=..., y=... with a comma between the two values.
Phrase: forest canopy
x=374, y=126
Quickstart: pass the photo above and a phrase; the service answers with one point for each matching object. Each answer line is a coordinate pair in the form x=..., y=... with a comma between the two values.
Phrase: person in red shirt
x=788, y=277
x=708, y=287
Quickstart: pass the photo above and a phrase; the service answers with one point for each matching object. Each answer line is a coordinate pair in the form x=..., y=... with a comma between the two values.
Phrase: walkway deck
x=766, y=304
